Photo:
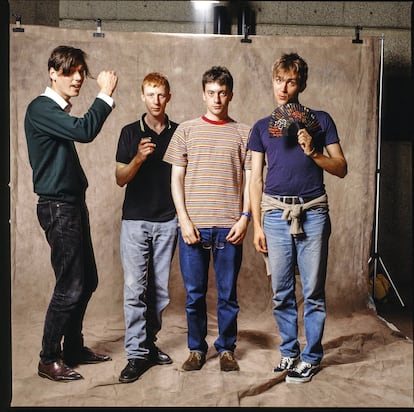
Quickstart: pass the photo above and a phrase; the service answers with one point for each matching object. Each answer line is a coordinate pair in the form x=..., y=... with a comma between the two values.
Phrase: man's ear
x=53, y=74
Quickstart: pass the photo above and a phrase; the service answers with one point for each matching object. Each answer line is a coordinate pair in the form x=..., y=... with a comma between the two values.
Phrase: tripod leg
x=392, y=283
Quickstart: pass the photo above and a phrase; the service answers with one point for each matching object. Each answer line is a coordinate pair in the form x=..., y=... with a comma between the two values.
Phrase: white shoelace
x=302, y=366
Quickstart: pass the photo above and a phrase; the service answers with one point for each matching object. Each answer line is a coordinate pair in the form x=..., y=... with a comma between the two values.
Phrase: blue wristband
x=247, y=214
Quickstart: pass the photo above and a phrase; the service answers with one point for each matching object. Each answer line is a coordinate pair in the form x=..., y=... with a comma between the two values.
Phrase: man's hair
x=220, y=75
x=65, y=57
x=292, y=62
x=155, y=79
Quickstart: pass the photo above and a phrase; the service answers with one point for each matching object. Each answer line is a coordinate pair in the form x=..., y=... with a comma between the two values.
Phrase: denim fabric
x=310, y=253
x=194, y=264
x=147, y=249
x=67, y=231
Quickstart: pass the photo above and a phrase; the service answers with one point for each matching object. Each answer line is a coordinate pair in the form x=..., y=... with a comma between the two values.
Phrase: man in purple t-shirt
x=290, y=211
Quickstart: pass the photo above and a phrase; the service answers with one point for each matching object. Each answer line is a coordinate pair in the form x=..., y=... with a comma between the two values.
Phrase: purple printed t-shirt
x=289, y=171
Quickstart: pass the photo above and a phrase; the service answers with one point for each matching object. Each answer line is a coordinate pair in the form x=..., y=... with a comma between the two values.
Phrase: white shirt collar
x=49, y=92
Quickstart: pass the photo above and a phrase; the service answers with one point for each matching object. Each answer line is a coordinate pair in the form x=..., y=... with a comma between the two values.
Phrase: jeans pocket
x=44, y=215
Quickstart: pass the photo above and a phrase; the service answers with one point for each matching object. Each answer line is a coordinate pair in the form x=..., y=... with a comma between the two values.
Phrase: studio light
x=201, y=8
x=203, y=5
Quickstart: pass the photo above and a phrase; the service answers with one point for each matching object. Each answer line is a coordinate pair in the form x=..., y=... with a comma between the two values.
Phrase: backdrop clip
x=357, y=32
x=245, y=39
x=18, y=23
x=98, y=32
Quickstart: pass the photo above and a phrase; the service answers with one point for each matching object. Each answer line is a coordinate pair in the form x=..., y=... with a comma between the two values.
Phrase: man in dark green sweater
x=60, y=182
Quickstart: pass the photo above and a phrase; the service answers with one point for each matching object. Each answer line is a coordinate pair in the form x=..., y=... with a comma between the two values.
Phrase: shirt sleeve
x=331, y=131
x=46, y=117
x=107, y=99
x=122, y=152
x=255, y=140
x=176, y=153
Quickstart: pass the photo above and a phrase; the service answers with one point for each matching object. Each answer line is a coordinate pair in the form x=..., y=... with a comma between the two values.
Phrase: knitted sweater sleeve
x=45, y=117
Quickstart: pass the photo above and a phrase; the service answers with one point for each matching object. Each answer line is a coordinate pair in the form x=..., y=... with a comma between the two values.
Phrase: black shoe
x=134, y=369
x=159, y=357
x=286, y=363
x=303, y=372
x=84, y=356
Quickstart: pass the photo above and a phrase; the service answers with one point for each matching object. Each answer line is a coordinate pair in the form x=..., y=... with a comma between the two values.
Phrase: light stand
x=376, y=258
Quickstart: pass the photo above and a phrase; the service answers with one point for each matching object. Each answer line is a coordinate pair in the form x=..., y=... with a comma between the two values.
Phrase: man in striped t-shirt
x=209, y=184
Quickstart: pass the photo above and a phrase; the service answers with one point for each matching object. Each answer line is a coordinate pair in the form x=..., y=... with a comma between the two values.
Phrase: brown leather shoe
x=194, y=362
x=86, y=356
x=228, y=362
x=58, y=371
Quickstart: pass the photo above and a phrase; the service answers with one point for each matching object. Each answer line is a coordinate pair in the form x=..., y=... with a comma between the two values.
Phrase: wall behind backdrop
x=335, y=64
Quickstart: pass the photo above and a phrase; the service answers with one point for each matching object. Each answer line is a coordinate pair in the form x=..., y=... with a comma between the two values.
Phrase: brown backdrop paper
x=343, y=80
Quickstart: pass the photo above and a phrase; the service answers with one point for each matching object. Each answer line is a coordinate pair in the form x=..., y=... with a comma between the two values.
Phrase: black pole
x=246, y=21
x=376, y=258
x=5, y=283
x=221, y=20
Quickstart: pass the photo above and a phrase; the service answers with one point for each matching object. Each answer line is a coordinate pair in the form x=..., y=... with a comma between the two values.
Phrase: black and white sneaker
x=302, y=373
x=286, y=363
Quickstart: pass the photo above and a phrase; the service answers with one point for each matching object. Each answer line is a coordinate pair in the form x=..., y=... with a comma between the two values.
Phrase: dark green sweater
x=51, y=134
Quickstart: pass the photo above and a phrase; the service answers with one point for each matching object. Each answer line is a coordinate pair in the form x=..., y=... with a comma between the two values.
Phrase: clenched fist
x=107, y=81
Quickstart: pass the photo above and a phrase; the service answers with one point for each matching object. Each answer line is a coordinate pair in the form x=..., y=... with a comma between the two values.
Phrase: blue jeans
x=194, y=264
x=310, y=253
x=67, y=230
x=147, y=249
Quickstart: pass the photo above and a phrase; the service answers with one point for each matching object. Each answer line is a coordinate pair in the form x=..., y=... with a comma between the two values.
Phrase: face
x=285, y=87
x=69, y=85
x=155, y=99
x=217, y=98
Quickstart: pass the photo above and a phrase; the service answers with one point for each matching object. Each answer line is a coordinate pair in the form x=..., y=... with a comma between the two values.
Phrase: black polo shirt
x=148, y=194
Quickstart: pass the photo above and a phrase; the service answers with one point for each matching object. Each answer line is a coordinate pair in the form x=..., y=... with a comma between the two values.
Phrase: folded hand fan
x=289, y=118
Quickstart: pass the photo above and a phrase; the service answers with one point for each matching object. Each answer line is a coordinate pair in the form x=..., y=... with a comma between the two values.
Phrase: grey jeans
x=147, y=249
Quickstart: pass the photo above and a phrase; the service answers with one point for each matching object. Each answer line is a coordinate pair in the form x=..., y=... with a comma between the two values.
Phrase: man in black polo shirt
x=149, y=226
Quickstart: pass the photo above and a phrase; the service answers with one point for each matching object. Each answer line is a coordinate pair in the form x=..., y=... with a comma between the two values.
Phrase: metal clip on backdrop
x=246, y=23
x=375, y=259
x=18, y=28
x=98, y=32
x=357, y=32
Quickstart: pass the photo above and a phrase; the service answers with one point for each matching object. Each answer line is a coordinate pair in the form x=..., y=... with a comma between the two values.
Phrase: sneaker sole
x=292, y=379
x=289, y=379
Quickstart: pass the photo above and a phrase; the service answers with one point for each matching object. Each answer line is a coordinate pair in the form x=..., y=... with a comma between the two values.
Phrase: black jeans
x=67, y=230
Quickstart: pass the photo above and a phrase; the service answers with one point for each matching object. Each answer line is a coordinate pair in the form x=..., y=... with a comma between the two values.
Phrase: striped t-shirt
x=215, y=155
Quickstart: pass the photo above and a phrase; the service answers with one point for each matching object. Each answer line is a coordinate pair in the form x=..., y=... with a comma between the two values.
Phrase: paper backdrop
x=343, y=80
